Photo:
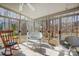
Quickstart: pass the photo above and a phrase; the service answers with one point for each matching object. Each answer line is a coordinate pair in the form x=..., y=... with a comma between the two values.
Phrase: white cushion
x=34, y=35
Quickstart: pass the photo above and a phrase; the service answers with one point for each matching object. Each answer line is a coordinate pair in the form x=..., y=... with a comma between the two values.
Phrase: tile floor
x=44, y=50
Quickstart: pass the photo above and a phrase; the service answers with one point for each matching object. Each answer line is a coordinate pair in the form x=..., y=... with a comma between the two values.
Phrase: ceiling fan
x=28, y=4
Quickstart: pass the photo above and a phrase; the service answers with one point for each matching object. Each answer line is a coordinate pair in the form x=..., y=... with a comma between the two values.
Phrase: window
x=9, y=15
x=1, y=23
x=13, y=15
x=22, y=17
x=5, y=12
x=14, y=25
x=6, y=24
x=23, y=27
x=12, y=20
x=17, y=16
x=26, y=18
x=2, y=11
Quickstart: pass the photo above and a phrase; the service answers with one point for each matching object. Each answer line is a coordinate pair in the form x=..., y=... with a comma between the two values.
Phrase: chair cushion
x=11, y=43
x=73, y=40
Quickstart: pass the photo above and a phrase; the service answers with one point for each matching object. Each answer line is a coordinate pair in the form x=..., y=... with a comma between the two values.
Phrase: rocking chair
x=9, y=42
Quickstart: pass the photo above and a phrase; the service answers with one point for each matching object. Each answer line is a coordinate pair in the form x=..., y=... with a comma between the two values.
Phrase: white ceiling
x=41, y=9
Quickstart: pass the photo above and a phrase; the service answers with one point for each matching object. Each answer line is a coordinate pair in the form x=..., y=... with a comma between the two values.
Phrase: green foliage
x=13, y=27
x=1, y=26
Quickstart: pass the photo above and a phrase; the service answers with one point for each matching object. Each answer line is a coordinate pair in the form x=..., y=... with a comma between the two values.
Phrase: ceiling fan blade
x=30, y=6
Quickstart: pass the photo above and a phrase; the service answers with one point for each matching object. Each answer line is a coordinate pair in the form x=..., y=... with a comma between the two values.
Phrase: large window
x=60, y=28
x=11, y=20
x=69, y=26
x=6, y=24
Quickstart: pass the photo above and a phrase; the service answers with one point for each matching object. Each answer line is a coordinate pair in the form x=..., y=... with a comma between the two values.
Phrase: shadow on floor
x=19, y=54
x=1, y=49
x=39, y=50
x=1, y=54
x=44, y=45
x=61, y=53
x=73, y=53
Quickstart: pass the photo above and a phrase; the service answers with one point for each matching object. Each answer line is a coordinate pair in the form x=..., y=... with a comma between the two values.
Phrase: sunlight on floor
x=44, y=50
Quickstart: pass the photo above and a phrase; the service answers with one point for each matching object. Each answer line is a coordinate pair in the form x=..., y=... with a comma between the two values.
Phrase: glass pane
x=12, y=14
x=6, y=24
x=14, y=25
x=22, y=17
x=5, y=12
x=78, y=25
x=2, y=10
x=1, y=23
x=23, y=27
x=17, y=16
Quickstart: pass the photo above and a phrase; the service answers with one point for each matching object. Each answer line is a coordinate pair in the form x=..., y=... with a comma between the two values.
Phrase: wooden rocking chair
x=9, y=42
